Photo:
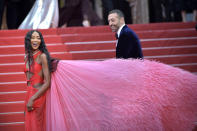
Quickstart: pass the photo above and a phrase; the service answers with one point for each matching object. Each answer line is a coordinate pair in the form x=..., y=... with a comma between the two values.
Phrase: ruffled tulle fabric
x=121, y=95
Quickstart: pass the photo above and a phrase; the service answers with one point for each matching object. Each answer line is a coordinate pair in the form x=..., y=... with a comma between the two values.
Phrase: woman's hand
x=30, y=105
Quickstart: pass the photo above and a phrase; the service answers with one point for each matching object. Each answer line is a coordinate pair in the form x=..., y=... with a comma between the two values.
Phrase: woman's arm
x=45, y=86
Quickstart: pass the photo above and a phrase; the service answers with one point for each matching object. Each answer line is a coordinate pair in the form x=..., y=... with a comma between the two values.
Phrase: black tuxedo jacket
x=128, y=45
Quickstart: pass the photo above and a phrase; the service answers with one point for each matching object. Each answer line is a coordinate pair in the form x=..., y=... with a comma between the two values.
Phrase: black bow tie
x=116, y=35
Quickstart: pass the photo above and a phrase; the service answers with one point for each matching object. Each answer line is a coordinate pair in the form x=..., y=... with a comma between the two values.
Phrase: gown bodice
x=35, y=68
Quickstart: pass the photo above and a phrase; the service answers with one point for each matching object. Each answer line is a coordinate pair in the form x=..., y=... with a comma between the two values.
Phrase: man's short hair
x=118, y=12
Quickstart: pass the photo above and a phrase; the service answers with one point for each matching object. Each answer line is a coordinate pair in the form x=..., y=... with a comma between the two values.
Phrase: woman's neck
x=35, y=51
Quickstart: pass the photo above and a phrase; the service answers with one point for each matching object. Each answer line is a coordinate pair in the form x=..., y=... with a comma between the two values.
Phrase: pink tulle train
x=121, y=95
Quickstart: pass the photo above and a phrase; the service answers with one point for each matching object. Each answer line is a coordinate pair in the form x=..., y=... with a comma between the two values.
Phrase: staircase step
x=17, y=126
x=91, y=46
x=21, y=50
x=9, y=87
x=167, y=34
x=15, y=106
x=88, y=37
x=163, y=26
x=16, y=32
x=93, y=55
x=20, y=40
x=192, y=67
x=19, y=58
x=82, y=30
x=11, y=77
x=169, y=42
x=174, y=59
x=12, y=96
x=170, y=50
x=15, y=67
x=12, y=117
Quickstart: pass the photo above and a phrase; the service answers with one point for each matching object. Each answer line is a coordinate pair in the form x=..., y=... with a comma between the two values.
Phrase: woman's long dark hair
x=42, y=48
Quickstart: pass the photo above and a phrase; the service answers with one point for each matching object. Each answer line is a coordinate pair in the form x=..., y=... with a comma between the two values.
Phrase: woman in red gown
x=109, y=95
x=37, y=70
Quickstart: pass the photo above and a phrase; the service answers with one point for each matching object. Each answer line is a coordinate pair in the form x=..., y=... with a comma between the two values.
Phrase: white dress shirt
x=118, y=33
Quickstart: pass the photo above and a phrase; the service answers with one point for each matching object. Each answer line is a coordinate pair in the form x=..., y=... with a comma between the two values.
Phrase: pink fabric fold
x=121, y=95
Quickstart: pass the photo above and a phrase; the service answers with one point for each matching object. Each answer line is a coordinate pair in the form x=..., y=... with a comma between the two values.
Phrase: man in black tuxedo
x=128, y=44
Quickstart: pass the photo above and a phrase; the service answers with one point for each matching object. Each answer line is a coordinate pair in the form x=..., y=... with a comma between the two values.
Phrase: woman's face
x=35, y=40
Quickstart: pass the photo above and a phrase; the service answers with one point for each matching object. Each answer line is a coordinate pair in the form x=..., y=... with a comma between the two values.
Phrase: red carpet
x=170, y=43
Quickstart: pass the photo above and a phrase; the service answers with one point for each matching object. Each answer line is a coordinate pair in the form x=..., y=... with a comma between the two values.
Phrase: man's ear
x=122, y=20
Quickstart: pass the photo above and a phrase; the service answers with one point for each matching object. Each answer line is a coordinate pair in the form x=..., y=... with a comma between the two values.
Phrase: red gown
x=35, y=120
